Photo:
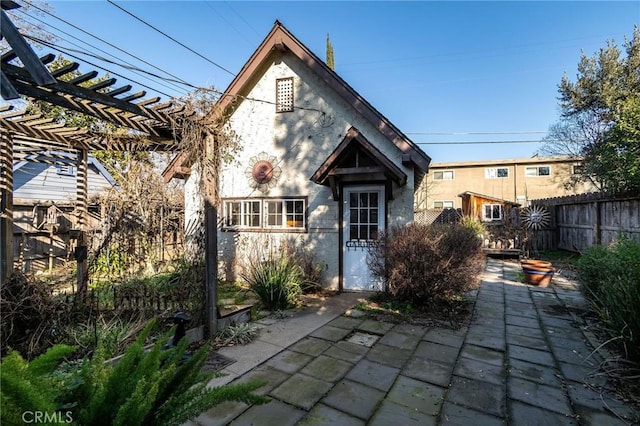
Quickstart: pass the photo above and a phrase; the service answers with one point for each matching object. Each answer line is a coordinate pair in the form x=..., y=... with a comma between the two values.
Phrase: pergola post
x=6, y=207
x=81, y=211
x=211, y=240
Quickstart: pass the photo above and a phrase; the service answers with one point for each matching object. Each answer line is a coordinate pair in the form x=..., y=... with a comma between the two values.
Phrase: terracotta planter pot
x=537, y=275
x=534, y=262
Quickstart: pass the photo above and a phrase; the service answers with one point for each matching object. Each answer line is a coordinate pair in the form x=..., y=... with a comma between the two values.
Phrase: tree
x=35, y=29
x=330, y=61
x=600, y=118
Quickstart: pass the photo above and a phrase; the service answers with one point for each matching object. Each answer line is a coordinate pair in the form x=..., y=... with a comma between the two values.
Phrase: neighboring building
x=44, y=190
x=517, y=180
x=318, y=165
x=48, y=177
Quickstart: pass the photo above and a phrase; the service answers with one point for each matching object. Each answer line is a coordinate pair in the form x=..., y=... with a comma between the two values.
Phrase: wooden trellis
x=155, y=126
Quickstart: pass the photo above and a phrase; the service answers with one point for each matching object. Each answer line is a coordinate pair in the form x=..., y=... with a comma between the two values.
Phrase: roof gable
x=280, y=39
x=353, y=142
x=52, y=157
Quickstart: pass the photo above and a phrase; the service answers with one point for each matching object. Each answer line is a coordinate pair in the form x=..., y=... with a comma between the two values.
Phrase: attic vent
x=284, y=94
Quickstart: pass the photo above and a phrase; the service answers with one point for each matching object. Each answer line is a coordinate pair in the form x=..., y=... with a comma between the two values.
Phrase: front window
x=294, y=213
x=65, y=170
x=440, y=205
x=251, y=214
x=537, y=171
x=496, y=172
x=491, y=212
x=271, y=214
x=443, y=175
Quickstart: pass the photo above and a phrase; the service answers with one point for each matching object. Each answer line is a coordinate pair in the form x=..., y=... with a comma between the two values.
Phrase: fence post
x=597, y=232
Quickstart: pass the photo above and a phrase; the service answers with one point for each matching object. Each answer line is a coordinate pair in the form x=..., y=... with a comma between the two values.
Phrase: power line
x=67, y=52
x=485, y=142
x=169, y=37
x=101, y=40
x=129, y=65
x=228, y=22
x=520, y=132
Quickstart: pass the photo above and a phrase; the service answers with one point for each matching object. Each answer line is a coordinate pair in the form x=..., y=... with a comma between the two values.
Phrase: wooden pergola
x=149, y=125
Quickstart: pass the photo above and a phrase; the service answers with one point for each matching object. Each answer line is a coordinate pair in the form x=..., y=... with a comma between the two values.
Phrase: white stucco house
x=317, y=164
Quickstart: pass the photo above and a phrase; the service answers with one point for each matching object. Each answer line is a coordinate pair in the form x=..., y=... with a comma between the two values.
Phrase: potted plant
x=538, y=275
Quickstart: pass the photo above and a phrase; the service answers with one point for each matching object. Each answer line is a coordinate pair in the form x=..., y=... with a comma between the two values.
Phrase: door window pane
x=364, y=199
x=374, y=199
x=353, y=199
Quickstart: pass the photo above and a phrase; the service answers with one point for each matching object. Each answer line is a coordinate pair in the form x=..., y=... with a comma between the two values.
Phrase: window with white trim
x=284, y=94
x=532, y=171
x=440, y=205
x=270, y=213
x=496, y=172
x=443, y=175
x=491, y=212
x=65, y=170
x=577, y=169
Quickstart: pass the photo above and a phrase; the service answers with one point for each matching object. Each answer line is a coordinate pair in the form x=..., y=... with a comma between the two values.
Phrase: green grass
x=232, y=290
x=561, y=257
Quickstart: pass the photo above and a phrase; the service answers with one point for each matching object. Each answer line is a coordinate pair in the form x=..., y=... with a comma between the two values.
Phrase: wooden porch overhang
x=336, y=169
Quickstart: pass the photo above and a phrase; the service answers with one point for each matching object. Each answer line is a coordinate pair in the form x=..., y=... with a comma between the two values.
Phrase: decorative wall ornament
x=262, y=173
x=535, y=217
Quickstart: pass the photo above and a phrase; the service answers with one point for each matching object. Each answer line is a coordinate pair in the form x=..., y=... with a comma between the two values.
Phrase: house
x=45, y=188
x=516, y=180
x=318, y=165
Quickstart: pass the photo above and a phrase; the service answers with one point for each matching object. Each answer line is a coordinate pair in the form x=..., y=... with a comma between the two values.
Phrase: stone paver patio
x=523, y=360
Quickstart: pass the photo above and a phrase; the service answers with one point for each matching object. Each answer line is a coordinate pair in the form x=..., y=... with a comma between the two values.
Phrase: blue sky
x=430, y=67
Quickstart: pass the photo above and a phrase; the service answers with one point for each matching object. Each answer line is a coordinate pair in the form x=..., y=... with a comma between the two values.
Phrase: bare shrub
x=425, y=263
x=30, y=315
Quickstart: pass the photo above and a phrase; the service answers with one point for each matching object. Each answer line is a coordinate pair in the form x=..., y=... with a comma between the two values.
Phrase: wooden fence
x=580, y=221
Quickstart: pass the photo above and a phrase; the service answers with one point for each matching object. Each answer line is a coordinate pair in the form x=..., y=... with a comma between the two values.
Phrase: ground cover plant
x=158, y=386
x=384, y=307
x=611, y=276
x=423, y=264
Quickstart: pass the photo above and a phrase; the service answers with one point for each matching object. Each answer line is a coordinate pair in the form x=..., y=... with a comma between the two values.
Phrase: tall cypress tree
x=330, y=62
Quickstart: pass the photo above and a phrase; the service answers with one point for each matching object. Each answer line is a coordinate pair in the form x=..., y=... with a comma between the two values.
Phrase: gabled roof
x=280, y=39
x=51, y=157
x=355, y=138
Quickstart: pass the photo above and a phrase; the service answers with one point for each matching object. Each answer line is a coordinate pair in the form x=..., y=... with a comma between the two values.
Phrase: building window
x=577, y=169
x=273, y=212
x=440, y=205
x=65, y=169
x=294, y=213
x=443, y=175
x=251, y=214
x=269, y=214
x=496, y=172
x=537, y=171
x=491, y=212
x=284, y=94
x=233, y=213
